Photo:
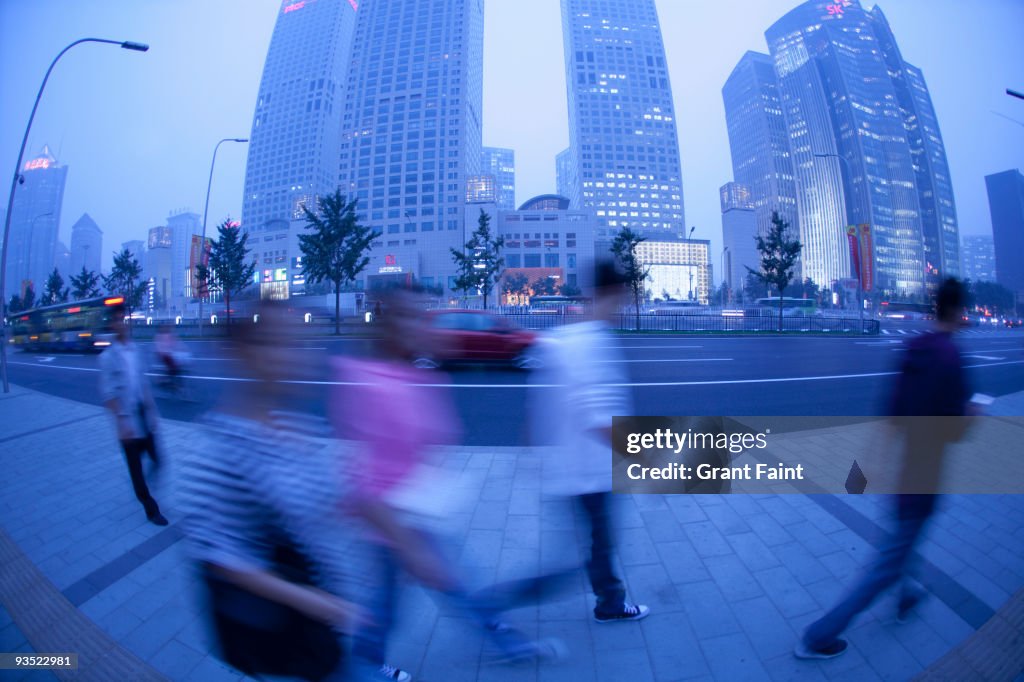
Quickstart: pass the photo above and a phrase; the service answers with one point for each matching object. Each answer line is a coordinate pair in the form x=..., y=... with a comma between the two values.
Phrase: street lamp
x=206, y=208
x=127, y=45
x=860, y=293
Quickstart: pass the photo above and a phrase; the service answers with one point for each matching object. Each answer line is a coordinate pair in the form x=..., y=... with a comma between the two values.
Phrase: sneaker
x=832, y=650
x=390, y=672
x=628, y=612
x=158, y=519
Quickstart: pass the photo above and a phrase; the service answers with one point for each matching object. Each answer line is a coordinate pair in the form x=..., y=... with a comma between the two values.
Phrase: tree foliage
x=55, y=291
x=229, y=270
x=124, y=280
x=990, y=295
x=637, y=273
x=479, y=263
x=779, y=255
x=515, y=284
x=336, y=249
x=544, y=286
x=85, y=285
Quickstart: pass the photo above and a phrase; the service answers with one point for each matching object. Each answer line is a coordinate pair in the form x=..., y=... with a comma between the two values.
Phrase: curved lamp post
x=203, y=289
x=124, y=44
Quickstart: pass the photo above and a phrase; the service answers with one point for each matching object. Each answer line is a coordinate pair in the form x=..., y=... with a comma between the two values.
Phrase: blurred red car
x=458, y=336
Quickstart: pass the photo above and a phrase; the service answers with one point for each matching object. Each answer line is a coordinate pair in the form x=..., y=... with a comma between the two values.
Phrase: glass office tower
x=501, y=163
x=622, y=121
x=759, y=141
x=412, y=131
x=865, y=148
x=294, y=143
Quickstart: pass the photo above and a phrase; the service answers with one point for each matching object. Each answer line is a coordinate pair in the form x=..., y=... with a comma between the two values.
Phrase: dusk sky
x=137, y=131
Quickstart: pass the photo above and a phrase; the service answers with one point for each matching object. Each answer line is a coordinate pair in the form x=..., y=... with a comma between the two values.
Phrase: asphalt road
x=669, y=375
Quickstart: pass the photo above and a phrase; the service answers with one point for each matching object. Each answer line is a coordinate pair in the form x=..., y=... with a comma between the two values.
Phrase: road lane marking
x=983, y=357
x=668, y=360
x=714, y=382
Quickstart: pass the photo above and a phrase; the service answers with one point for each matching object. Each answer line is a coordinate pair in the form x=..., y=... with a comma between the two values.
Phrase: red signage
x=851, y=236
x=294, y=6
x=867, y=258
x=36, y=164
x=390, y=260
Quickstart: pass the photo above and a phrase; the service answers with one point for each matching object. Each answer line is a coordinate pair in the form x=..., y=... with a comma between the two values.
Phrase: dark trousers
x=912, y=511
x=609, y=590
x=133, y=450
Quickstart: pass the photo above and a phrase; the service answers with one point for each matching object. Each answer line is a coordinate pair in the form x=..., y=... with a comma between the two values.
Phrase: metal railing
x=689, y=322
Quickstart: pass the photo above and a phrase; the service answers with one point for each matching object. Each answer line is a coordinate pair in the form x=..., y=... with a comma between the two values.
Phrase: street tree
x=125, y=280
x=28, y=300
x=516, y=284
x=636, y=273
x=779, y=254
x=85, y=285
x=544, y=286
x=336, y=249
x=229, y=270
x=55, y=291
x=479, y=263
x=992, y=296
x=15, y=305
x=570, y=290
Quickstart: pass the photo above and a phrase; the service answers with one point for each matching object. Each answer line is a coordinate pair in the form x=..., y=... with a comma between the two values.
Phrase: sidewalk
x=731, y=580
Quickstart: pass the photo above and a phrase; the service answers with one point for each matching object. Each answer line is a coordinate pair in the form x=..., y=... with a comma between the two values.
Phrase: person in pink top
x=383, y=405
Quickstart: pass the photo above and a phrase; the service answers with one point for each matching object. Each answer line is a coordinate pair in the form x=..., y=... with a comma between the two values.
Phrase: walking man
x=580, y=363
x=126, y=394
x=928, y=408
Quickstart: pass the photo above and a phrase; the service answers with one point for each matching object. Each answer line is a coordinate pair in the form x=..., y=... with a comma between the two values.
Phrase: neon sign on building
x=36, y=164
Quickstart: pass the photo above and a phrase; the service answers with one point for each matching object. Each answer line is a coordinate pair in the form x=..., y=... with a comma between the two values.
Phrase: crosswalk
x=964, y=332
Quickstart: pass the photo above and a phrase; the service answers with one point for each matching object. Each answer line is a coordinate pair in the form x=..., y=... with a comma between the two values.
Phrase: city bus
x=79, y=326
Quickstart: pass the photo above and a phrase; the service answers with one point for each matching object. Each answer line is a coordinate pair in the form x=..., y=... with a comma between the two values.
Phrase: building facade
x=295, y=137
x=622, y=121
x=865, y=149
x=978, y=256
x=739, y=229
x=1006, y=205
x=158, y=268
x=184, y=227
x=680, y=268
x=501, y=163
x=411, y=130
x=759, y=141
x=35, y=219
x=86, y=245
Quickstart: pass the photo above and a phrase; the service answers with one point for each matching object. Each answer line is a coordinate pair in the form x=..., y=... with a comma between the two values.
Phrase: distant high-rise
x=411, y=136
x=86, y=245
x=566, y=176
x=501, y=163
x=739, y=228
x=293, y=146
x=865, y=149
x=979, y=258
x=622, y=120
x=759, y=142
x=158, y=266
x=185, y=227
x=1006, y=204
x=62, y=261
x=35, y=217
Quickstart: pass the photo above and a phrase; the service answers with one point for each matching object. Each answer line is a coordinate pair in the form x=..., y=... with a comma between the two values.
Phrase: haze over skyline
x=137, y=131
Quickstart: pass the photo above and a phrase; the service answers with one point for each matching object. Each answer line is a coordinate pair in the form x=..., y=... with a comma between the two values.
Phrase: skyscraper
x=622, y=128
x=759, y=142
x=501, y=163
x=35, y=217
x=293, y=146
x=184, y=227
x=86, y=245
x=865, y=148
x=739, y=227
x=412, y=131
x=567, y=177
x=977, y=251
x=1006, y=204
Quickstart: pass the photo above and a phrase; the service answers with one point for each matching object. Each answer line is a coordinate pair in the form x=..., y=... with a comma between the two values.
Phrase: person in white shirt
x=586, y=388
x=126, y=394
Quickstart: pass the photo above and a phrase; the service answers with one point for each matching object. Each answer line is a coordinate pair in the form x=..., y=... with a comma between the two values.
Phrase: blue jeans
x=912, y=511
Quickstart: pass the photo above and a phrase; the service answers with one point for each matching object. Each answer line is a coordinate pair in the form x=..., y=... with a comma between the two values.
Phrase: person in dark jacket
x=932, y=384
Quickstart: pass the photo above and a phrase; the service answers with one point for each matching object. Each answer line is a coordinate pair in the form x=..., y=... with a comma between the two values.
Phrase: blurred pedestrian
x=929, y=407
x=394, y=422
x=586, y=388
x=126, y=393
x=173, y=356
x=260, y=522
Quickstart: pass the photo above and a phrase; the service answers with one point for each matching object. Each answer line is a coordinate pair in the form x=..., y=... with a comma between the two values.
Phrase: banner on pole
x=867, y=258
